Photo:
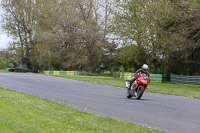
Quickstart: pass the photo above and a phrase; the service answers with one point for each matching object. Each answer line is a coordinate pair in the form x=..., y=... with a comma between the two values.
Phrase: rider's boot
x=129, y=86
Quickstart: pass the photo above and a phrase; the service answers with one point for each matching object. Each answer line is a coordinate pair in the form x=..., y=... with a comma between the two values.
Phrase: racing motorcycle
x=138, y=87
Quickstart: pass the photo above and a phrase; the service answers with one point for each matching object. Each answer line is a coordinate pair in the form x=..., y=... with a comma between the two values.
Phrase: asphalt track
x=172, y=114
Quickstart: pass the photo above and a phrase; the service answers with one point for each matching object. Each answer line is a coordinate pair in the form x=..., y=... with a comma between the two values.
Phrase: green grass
x=175, y=89
x=162, y=88
x=3, y=71
x=22, y=113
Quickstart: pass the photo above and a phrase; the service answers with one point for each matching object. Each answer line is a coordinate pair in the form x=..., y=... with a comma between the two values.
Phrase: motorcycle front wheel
x=139, y=92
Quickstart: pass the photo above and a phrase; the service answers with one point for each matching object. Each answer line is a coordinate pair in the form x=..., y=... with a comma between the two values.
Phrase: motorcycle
x=138, y=87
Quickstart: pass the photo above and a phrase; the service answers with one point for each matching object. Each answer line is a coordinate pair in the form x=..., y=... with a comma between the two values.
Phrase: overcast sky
x=4, y=39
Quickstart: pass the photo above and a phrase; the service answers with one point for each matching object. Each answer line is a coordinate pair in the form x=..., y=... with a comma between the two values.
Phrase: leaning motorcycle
x=138, y=87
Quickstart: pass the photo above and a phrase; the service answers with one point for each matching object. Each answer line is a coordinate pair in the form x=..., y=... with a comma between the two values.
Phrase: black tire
x=128, y=95
x=140, y=92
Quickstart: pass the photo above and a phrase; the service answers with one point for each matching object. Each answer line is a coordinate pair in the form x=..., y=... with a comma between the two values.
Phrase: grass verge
x=25, y=113
x=3, y=71
x=162, y=88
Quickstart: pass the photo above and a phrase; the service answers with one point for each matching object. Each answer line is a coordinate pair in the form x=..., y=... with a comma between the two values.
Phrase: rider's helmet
x=145, y=67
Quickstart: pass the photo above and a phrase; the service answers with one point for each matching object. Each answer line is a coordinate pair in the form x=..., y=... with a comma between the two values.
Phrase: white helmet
x=145, y=67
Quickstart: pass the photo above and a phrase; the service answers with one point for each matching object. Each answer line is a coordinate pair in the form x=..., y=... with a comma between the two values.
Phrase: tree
x=134, y=26
x=19, y=22
x=180, y=21
x=165, y=33
x=70, y=30
x=7, y=59
x=55, y=63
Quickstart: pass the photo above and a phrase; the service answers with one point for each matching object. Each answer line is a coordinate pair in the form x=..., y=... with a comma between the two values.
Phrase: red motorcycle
x=138, y=87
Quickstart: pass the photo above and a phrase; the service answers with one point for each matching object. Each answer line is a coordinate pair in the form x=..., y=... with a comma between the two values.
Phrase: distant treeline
x=99, y=35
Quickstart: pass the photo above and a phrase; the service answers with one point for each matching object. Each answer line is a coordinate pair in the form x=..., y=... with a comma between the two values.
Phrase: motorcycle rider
x=144, y=69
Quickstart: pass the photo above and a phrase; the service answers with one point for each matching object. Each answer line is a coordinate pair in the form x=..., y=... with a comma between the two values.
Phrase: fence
x=153, y=77
x=116, y=74
x=23, y=70
x=68, y=73
x=189, y=80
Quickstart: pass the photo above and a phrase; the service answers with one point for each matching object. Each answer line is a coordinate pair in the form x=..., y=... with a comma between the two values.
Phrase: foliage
x=85, y=34
x=73, y=30
x=182, y=24
x=55, y=63
x=7, y=60
x=165, y=33
x=134, y=24
x=128, y=58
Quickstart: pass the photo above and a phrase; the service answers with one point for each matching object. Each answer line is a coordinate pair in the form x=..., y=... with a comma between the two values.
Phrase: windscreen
x=144, y=76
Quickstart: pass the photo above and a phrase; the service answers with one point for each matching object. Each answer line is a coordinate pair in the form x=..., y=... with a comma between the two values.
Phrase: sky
x=4, y=39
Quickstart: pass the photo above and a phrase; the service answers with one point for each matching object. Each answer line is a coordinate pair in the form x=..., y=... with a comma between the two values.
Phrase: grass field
x=22, y=113
x=162, y=88
x=3, y=71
